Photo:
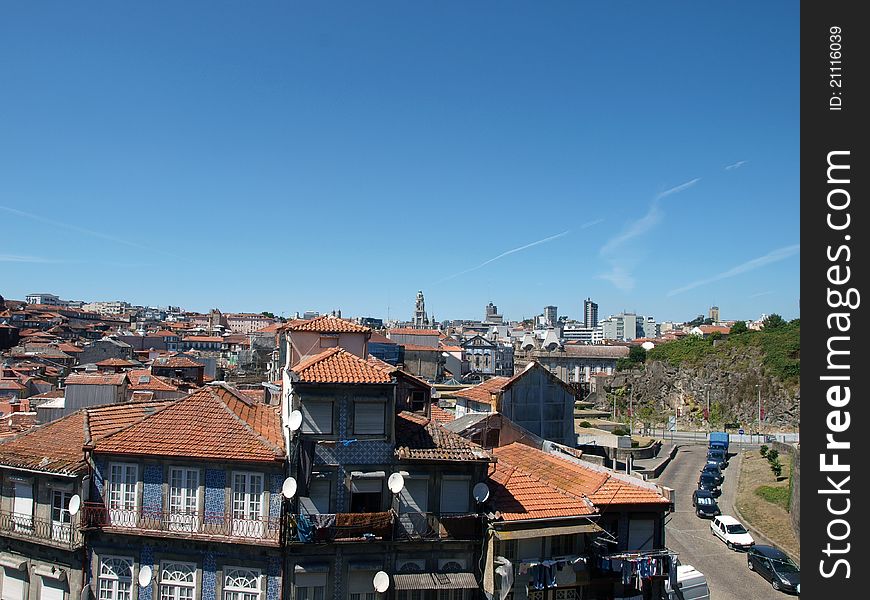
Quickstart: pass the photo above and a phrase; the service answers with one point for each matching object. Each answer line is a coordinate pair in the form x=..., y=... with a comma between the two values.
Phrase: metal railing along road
x=177, y=524
x=53, y=533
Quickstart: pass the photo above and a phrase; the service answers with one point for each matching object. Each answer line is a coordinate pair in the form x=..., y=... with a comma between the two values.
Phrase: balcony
x=205, y=526
x=384, y=526
x=343, y=527
x=434, y=527
x=44, y=531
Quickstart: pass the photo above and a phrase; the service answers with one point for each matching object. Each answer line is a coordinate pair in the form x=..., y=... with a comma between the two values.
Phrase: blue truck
x=719, y=439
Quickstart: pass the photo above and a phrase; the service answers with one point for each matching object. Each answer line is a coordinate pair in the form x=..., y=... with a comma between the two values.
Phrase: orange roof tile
x=326, y=324
x=115, y=362
x=604, y=488
x=213, y=422
x=175, y=362
x=519, y=494
x=439, y=414
x=203, y=338
x=483, y=392
x=412, y=331
x=419, y=438
x=144, y=380
x=337, y=365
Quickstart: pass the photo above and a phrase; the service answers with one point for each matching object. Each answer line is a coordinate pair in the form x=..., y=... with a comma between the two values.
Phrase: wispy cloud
x=591, y=223
x=81, y=230
x=750, y=265
x=621, y=263
x=503, y=254
x=736, y=165
x=762, y=294
x=678, y=188
x=28, y=259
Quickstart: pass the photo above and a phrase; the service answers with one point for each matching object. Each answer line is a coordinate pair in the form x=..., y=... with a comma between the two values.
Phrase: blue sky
x=289, y=156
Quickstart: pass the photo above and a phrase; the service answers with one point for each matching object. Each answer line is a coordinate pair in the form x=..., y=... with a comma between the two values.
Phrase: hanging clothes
x=304, y=528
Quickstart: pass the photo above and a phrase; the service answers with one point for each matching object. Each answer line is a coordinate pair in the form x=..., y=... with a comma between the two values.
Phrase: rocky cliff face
x=660, y=388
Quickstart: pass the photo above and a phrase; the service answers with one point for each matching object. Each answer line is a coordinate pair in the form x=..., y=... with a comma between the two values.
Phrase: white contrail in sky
x=750, y=265
x=503, y=254
x=736, y=165
x=591, y=223
x=27, y=259
x=761, y=294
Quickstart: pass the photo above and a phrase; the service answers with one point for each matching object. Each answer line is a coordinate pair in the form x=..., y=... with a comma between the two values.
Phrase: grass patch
x=769, y=517
x=774, y=495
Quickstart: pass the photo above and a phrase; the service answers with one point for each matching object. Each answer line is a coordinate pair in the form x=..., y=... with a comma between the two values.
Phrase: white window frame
x=248, y=522
x=237, y=592
x=171, y=586
x=61, y=528
x=122, y=500
x=184, y=514
x=115, y=581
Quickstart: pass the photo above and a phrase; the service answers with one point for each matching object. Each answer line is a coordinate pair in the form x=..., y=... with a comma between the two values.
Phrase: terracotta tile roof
x=164, y=333
x=203, y=338
x=418, y=348
x=11, y=384
x=483, y=392
x=396, y=371
x=412, y=331
x=48, y=395
x=57, y=446
x=337, y=365
x=604, y=488
x=439, y=414
x=175, y=362
x=115, y=362
x=377, y=338
x=214, y=422
x=69, y=348
x=144, y=380
x=419, y=438
x=708, y=329
x=255, y=395
x=326, y=324
x=518, y=494
x=94, y=379
x=451, y=348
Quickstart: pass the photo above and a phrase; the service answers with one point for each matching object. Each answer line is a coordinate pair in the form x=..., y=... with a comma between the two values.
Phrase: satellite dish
x=396, y=483
x=294, y=421
x=145, y=576
x=75, y=503
x=381, y=580
x=288, y=488
x=480, y=492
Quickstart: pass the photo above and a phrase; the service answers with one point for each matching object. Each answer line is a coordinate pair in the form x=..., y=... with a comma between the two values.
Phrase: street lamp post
x=758, y=387
x=631, y=409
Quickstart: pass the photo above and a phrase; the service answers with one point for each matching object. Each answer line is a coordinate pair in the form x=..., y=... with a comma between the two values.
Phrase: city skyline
x=320, y=157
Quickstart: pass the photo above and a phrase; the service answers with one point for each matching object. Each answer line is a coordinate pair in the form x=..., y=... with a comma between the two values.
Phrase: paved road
x=727, y=574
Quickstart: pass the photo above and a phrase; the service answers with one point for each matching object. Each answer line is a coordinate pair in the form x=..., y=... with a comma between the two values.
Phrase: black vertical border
x=824, y=130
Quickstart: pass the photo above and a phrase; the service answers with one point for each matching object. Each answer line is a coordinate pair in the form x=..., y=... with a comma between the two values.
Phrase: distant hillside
x=683, y=374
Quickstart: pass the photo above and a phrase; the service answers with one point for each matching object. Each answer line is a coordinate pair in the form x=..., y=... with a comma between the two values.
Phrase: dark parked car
x=714, y=471
x=709, y=483
x=704, y=503
x=775, y=566
x=719, y=456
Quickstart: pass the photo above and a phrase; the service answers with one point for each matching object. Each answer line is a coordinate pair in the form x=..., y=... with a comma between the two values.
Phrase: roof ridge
x=138, y=421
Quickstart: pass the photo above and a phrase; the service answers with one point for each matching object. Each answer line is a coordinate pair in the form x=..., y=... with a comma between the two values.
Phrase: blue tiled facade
x=100, y=467
x=152, y=490
x=209, y=576
x=215, y=495
x=146, y=557
x=275, y=498
x=273, y=583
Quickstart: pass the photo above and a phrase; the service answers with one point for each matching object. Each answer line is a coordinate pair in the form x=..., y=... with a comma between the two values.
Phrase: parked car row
x=770, y=562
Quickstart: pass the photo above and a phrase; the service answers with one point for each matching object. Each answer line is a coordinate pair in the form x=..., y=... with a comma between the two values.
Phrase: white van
x=691, y=585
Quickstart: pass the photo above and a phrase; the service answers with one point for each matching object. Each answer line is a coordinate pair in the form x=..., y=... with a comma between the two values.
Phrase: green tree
x=763, y=450
x=586, y=424
x=268, y=314
x=637, y=354
x=776, y=467
x=774, y=321
x=772, y=456
x=739, y=327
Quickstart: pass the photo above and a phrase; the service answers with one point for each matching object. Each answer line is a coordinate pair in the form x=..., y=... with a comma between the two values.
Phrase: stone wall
x=793, y=451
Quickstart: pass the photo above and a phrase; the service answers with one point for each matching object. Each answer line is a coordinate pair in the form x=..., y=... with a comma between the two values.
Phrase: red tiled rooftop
x=602, y=487
x=176, y=362
x=483, y=392
x=96, y=379
x=214, y=422
x=420, y=438
x=115, y=362
x=439, y=414
x=203, y=338
x=412, y=331
x=519, y=494
x=144, y=380
x=326, y=324
x=337, y=365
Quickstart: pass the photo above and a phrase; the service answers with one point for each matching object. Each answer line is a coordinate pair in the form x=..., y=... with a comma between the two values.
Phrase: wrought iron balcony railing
x=194, y=525
x=46, y=531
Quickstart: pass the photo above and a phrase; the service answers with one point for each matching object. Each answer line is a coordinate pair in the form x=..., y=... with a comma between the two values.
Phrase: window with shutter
x=455, y=495
x=317, y=417
x=369, y=417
